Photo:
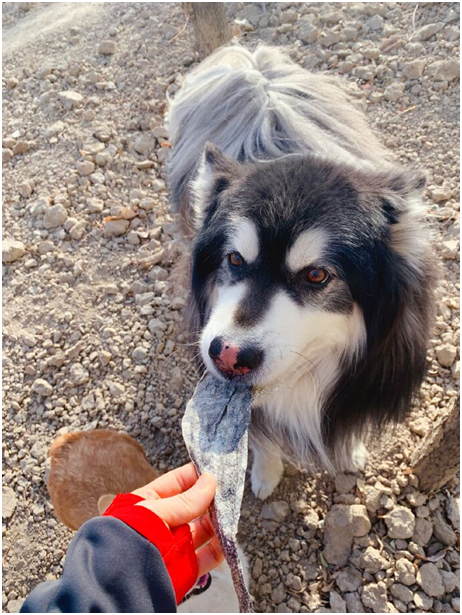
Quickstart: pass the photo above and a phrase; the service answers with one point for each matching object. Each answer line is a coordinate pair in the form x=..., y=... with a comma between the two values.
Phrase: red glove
x=175, y=546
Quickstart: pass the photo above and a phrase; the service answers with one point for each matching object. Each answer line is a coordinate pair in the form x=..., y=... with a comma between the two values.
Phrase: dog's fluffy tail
x=260, y=105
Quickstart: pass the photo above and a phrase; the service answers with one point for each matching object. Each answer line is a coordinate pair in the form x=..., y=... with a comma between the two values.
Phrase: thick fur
x=298, y=180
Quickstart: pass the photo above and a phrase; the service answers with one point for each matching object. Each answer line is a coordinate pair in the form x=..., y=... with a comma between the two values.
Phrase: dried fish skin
x=215, y=430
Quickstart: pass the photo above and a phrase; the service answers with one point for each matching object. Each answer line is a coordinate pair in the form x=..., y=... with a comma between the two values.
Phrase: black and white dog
x=311, y=270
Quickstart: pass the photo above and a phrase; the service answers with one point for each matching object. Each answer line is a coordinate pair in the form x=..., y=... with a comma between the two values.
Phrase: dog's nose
x=232, y=360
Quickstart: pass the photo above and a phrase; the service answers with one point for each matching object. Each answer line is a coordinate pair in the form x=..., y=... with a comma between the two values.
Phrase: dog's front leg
x=266, y=472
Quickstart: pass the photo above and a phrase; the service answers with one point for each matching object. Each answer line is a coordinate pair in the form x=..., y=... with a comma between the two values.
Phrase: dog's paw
x=264, y=478
x=357, y=461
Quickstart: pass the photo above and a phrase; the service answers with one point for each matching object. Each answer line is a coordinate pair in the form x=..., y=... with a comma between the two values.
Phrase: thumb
x=185, y=507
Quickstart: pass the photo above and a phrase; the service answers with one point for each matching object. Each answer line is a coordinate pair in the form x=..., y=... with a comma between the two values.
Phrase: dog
x=311, y=271
x=88, y=469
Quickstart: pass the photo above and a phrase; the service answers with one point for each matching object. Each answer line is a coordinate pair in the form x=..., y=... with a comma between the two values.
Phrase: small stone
x=106, y=48
x=55, y=216
x=429, y=579
x=21, y=147
x=375, y=597
x=115, y=388
x=9, y=502
x=94, y=206
x=342, y=523
x=257, y=568
x=144, y=144
x=140, y=354
x=276, y=511
x=85, y=167
x=453, y=511
x=42, y=387
x=372, y=561
x=405, y=572
x=450, y=249
x=155, y=326
x=307, y=32
x=446, y=70
x=7, y=155
x=446, y=354
x=12, y=250
x=420, y=426
x=422, y=601
x=278, y=595
x=400, y=522
x=69, y=98
x=337, y=604
x=426, y=32
x=349, y=580
x=78, y=375
x=401, y=592
x=450, y=581
x=344, y=483
x=414, y=69
x=422, y=532
x=330, y=39
x=55, y=129
x=442, y=530
x=114, y=228
x=394, y=92
x=104, y=357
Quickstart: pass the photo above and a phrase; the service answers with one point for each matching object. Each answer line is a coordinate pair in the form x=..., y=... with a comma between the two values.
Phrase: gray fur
x=259, y=105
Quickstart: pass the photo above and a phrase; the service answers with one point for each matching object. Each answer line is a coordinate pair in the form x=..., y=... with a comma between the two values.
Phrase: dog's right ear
x=104, y=502
x=215, y=173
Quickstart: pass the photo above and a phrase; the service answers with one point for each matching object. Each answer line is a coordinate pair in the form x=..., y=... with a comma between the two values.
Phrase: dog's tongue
x=215, y=432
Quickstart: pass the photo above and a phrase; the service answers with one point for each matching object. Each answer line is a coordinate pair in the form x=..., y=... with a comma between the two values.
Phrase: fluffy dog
x=311, y=270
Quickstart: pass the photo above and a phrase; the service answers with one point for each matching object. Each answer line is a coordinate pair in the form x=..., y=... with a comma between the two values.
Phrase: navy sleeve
x=109, y=568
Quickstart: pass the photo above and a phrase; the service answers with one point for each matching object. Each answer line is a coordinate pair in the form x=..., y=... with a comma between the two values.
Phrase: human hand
x=179, y=497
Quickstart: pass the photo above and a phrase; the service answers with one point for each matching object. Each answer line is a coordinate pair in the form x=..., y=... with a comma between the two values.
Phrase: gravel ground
x=92, y=301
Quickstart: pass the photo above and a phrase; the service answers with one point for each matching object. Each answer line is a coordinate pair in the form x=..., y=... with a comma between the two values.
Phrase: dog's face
x=290, y=260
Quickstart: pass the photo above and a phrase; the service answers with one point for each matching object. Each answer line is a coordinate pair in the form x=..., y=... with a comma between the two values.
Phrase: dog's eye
x=317, y=276
x=235, y=259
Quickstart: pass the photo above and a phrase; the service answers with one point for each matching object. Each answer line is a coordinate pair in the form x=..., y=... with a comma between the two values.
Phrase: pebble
x=9, y=502
x=114, y=228
x=69, y=98
x=394, y=92
x=427, y=31
x=420, y=426
x=85, y=167
x=55, y=216
x=42, y=387
x=12, y=250
x=413, y=69
x=78, y=375
x=442, y=530
x=375, y=597
x=429, y=579
x=144, y=144
x=446, y=354
x=106, y=48
x=342, y=523
x=275, y=511
x=400, y=522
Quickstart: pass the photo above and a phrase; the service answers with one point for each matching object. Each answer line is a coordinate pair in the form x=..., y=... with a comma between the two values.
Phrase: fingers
x=209, y=556
x=201, y=530
x=169, y=484
x=185, y=507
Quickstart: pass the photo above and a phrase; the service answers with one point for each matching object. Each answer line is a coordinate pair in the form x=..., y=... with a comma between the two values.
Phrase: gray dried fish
x=215, y=428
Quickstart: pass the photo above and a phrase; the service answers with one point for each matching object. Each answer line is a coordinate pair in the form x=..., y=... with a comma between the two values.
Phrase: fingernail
x=204, y=481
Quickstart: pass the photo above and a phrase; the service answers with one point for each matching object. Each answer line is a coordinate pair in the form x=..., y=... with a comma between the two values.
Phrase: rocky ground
x=92, y=303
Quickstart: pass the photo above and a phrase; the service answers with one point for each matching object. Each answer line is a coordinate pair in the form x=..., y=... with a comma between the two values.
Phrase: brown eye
x=316, y=275
x=235, y=259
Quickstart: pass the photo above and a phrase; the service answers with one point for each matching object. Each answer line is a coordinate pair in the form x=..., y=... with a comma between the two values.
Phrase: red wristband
x=175, y=546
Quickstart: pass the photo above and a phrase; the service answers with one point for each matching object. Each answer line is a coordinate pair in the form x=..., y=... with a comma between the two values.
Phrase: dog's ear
x=214, y=175
x=403, y=207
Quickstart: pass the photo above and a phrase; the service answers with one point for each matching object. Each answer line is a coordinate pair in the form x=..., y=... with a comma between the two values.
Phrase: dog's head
x=298, y=259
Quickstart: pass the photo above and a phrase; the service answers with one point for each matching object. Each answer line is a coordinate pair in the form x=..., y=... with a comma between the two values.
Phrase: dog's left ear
x=402, y=205
x=213, y=176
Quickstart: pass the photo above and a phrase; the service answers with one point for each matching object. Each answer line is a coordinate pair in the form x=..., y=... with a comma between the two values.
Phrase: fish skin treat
x=215, y=430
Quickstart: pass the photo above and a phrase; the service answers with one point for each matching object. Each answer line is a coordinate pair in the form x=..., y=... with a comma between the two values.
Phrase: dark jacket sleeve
x=109, y=568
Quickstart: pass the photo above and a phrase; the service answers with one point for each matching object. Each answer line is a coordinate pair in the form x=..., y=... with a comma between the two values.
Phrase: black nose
x=249, y=357
x=215, y=348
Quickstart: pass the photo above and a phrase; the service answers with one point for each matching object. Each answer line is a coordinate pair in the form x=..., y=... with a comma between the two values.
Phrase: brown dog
x=89, y=468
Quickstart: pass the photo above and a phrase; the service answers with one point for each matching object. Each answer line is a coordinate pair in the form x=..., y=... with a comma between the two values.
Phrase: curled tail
x=260, y=105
